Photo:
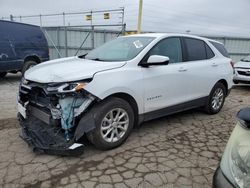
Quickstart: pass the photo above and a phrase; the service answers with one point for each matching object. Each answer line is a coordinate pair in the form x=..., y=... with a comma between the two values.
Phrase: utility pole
x=139, y=17
x=11, y=18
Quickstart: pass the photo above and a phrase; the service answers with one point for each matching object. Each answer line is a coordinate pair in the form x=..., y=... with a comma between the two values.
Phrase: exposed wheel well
x=32, y=58
x=131, y=102
x=224, y=82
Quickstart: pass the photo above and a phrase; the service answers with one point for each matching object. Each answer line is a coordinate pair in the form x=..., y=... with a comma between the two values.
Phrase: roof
x=13, y=22
x=161, y=35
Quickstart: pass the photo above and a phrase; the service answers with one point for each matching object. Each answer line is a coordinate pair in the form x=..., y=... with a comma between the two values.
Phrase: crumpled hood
x=68, y=69
x=242, y=64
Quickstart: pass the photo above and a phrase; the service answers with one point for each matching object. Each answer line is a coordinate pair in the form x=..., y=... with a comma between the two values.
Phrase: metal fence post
x=123, y=29
x=40, y=20
x=104, y=36
x=92, y=37
x=11, y=18
x=65, y=34
x=58, y=41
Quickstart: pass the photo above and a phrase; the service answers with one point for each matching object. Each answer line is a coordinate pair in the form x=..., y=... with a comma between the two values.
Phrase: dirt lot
x=181, y=150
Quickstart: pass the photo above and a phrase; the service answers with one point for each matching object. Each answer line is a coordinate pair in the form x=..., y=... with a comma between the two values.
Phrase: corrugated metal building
x=68, y=42
x=237, y=47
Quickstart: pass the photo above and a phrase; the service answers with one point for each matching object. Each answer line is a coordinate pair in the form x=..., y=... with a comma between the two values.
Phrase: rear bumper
x=220, y=181
x=44, y=139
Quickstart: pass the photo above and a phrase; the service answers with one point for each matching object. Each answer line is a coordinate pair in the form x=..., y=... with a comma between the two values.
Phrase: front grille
x=35, y=94
x=244, y=73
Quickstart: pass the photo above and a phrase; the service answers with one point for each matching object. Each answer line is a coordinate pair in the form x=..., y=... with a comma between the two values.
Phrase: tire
x=27, y=65
x=106, y=125
x=216, y=99
x=2, y=74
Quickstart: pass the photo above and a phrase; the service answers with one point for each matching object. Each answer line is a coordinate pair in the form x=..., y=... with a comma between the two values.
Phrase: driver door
x=166, y=85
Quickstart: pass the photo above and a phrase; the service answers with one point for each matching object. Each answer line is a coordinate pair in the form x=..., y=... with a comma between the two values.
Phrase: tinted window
x=220, y=48
x=170, y=47
x=196, y=49
x=210, y=53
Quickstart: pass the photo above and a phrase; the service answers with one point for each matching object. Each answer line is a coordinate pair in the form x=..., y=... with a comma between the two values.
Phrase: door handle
x=214, y=65
x=182, y=69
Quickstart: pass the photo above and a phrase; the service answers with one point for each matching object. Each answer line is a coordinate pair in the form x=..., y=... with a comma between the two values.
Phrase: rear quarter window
x=220, y=48
x=210, y=53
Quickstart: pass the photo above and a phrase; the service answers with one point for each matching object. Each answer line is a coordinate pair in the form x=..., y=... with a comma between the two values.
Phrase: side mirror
x=157, y=60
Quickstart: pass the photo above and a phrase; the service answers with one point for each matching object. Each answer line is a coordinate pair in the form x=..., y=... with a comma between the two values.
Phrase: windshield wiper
x=82, y=56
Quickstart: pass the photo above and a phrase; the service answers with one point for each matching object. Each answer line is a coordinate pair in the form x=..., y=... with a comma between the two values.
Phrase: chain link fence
x=74, y=33
x=69, y=34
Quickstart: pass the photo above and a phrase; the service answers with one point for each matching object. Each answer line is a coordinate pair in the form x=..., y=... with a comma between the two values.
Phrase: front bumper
x=241, y=78
x=45, y=139
x=220, y=181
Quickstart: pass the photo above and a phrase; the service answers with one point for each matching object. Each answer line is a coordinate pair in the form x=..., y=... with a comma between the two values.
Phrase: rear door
x=201, y=66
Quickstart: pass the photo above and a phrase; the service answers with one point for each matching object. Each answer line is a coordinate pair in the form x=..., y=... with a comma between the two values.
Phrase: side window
x=196, y=49
x=170, y=47
x=220, y=48
x=210, y=53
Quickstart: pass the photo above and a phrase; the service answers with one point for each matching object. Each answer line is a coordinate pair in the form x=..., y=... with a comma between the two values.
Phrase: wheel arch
x=132, y=102
x=87, y=121
x=224, y=82
x=32, y=58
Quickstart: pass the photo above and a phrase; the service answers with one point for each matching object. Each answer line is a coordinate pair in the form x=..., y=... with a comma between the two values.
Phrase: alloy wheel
x=114, y=125
x=217, y=99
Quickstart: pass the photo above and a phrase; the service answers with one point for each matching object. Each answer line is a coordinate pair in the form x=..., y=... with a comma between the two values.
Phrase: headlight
x=67, y=87
x=24, y=81
x=235, y=163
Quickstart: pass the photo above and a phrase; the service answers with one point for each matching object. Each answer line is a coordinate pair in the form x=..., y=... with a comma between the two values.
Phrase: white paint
x=75, y=145
x=166, y=84
x=244, y=67
x=21, y=109
x=157, y=59
x=68, y=69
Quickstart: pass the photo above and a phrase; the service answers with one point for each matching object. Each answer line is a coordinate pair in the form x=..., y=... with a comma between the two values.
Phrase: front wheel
x=114, y=121
x=216, y=99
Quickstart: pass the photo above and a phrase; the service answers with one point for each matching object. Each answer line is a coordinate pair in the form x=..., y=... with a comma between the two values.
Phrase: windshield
x=120, y=49
x=247, y=59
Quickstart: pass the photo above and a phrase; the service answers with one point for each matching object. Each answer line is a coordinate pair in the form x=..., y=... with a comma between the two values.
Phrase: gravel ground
x=181, y=150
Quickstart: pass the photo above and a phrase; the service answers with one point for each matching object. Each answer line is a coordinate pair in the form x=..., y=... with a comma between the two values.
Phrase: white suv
x=124, y=82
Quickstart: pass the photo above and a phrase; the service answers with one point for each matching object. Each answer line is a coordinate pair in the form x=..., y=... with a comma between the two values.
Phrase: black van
x=21, y=46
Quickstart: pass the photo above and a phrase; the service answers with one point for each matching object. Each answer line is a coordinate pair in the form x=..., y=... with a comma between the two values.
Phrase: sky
x=202, y=17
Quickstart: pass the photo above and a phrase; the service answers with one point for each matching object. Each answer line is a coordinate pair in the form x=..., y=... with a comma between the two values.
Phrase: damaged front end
x=51, y=116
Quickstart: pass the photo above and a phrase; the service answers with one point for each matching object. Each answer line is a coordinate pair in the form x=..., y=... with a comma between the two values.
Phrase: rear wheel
x=27, y=65
x=2, y=74
x=114, y=121
x=216, y=99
